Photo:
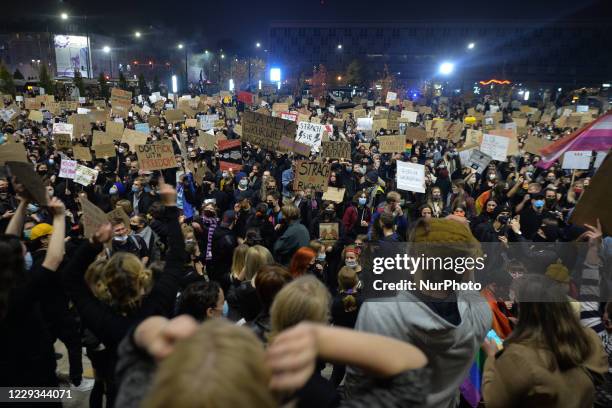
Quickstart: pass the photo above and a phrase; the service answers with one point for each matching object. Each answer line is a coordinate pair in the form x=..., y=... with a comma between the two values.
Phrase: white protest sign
x=19, y=98
x=391, y=96
x=83, y=111
x=84, y=175
x=411, y=116
x=82, y=99
x=63, y=128
x=582, y=108
x=364, y=123
x=310, y=134
x=207, y=122
x=146, y=110
x=495, y=146
x=7, y=114
x=68, y=168
x=600, y=158
x=410, y=177
x=578, y=160
x=478, y=160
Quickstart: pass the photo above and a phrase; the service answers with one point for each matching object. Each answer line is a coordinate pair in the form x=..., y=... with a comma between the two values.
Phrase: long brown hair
x=546, y=319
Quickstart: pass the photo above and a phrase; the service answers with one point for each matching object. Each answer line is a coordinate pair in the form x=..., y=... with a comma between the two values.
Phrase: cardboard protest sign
x=230, y=154
x=416, y=134
x=287, y=144
x=65, y=128
x=191, y=123
x=35, y=116
x=154, y=121
x=12, y=152
x=391, y=144
x=156, y=156
x=266, y=131
x=8, y=114
x=206, y=141
x=121, y=102
x=336, y=150
x=174, y=115
x=100, y=137
x=391, y=96
x=478, y=160
x=576, y=160
x=280, y=107
x=311, y=174
x=534, y=144
x=329, y=232
x=30, y=104
x=410, y=177
x=142, y=127
x=99, y=103
x=62, y=141
x=495, y=146
x=25, y=174
x=119, y=214
x=512, y=139
x=334, y=194
x=81, y=153
x=219, y=123
x=93, y=217
x=473, y=137
x=105, y=150
x=596, y=200
x=411, y=116
x=289, y=116
x=67, y=168
x=81, y=125
x=230, y=112
x=359, y=113
x=114, y=129
x=133, y=138
x=310, y=134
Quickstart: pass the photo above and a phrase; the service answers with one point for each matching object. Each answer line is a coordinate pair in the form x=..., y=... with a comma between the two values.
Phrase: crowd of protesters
x=219, y=291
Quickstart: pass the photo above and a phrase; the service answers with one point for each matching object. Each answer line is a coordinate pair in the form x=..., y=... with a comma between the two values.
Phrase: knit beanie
x=558, y=272
x=440, y=230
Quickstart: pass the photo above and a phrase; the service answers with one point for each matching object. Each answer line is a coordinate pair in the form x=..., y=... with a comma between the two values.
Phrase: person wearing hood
x=448, y=326
x=532, y=215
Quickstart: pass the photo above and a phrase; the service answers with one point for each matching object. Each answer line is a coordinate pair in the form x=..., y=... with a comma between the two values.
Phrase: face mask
x=113, y=190
x=538, y=203
x=120, y=238
x=32, y=208
x=243, y=183
x=27, y=233
x=362, y=201
x=350, y=264
x=224, y=174
x=51, y=161
x=492, y=176
x=209, y=213
x=28, y=261
x=121, y=150
x=134, y=227
x=321, y=257
x=225, y=309
x=134, y=189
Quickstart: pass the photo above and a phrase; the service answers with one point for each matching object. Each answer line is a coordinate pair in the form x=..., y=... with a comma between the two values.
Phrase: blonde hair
x=127, y=280
x=96, y=281
x=221, y=365
x=256, y=257
x=306, y=298
x=126, y=205
x=238, y=259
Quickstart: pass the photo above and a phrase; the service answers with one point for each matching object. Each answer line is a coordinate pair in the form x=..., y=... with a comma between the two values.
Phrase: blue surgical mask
x=321, y=257
x=32, y=208
x=51, y=161
x=134, y=189
x=225, y=309
x=121, y=238
x=363, y=200
x=350, y=264
x=27, y=233
x=113, y=190
x=28, y=261
x=538, y=203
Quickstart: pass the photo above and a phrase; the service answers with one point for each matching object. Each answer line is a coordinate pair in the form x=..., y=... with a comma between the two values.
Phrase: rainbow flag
x=408, y=148
x=472, y=385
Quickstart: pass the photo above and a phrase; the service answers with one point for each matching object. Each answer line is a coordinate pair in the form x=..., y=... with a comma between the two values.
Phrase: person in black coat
x=140, y=199
x=223, y=243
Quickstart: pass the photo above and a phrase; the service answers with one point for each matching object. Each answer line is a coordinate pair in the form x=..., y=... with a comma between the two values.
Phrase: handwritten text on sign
x=265, y=131
x=311, y=174
x=156, y=156
x=310, y=134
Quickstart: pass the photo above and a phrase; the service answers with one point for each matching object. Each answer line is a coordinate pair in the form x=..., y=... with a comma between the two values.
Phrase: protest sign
x=81, y=125
x=105, y=150
x=206, y=141
x=329, y=232
x=411, y=116
x=142, y=127
x=98, y=115
x=280, y=107
x=473, y=137
x=534, y=144
x=114, y=129
x=287, y=144
x=599, y=158
x=416, y=134
x=207, y=122
x=512, y=139
x=133, y=138
x=30, y=104
x=266, y=131
x=478, y=160
x=7, y=114
x=311, y=174
x=391, y=144
x=359, y=113
x=174, y=115
x=121, y=102
x=93, y=217
x=62, y=141
x=82, y=111
x=191, y=123
x=81, y=153
x=219, y=123
x=25, y=174
x=146, y=109
x=364, y=123
x=577, y=160
x=35, y=116
x=410, y=177
x=100, y=137
x=153, y=121
x=293, y=117
x=334, y=194
x=495, y=146
x=596, y=200
x=156, y=156
x=391, y=96
x=67, y=168
x=65, y=128
x=230, y=112
x=99, y=103
x=310, y=134
x=230, y=154
x=336, y=150
x=246, y=97
x=13, y=152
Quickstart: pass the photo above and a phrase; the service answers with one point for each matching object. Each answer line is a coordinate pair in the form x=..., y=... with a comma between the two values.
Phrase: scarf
x=211, y=224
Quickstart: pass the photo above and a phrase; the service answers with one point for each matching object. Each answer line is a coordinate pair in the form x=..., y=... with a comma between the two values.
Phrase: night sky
x=236, y=22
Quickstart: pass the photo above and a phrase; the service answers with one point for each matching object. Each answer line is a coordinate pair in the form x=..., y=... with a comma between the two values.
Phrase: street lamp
x=64, y=16
x=137, y=34
x=339, y=46
x=258, y=45
x=339, y=78
x=471, y=46
x=180, y=46
x=446, y=68
x=206, y=52
x=222, y=56
x=107, y=50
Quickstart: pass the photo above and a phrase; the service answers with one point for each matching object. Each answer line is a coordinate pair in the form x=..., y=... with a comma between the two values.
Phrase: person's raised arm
x=292, y=355
x=55, y=252
x=15, y=225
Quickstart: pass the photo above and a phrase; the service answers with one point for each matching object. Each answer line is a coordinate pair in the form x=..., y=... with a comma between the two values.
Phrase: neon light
x=496, y=81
